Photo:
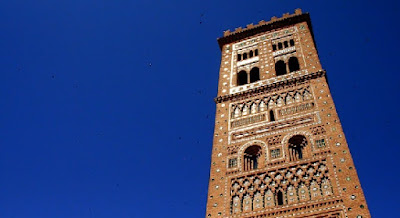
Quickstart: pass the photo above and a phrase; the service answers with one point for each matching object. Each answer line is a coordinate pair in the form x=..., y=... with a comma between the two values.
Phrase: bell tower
x=279, y=149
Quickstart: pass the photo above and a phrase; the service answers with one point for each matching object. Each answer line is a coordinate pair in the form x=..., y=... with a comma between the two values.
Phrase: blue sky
x=106, y=107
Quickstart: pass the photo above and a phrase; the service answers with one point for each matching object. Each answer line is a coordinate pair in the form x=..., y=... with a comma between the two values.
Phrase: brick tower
x=279, y=149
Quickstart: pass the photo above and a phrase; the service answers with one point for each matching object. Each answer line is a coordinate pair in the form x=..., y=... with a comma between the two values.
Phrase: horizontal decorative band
x=248, y=120
x=296, y=109
x=274, y=126
x=269, y=87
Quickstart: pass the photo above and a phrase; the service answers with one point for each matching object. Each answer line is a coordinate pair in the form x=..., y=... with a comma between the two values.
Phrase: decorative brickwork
x=279, y=149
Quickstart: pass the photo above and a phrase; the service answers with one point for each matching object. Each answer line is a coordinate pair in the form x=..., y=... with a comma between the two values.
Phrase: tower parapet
x=279, y=149
x=263, y=26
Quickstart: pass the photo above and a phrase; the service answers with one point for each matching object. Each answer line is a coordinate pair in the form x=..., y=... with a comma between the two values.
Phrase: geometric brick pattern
x=279, y=149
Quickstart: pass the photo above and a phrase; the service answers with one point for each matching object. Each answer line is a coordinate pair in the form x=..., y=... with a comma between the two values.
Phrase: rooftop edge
x=262, y=26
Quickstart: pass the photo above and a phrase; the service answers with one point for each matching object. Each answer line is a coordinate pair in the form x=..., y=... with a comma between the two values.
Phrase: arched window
x=242, y=78
x=274, y=47
x=254, y=74
x=271, y=116
x=256, y=52
x=280, y=45
x=280, y=68
x=239, y=58
x=244, y=56
x=291, y=42
x=296, y=147
x=251, y=157
x=279, y=197
x=293, y=64
x=251, y=54
x=285, y=43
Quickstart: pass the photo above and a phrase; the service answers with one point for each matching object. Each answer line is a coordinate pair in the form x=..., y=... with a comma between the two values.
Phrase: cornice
x=269, y=87
x=262, y=26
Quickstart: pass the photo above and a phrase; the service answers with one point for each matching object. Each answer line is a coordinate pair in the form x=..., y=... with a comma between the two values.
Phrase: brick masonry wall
x=319, y=120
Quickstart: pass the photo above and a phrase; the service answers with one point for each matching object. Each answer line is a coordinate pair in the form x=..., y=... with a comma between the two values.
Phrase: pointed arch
x=292, y=195
x=279, y=197
x=307, y=95
x=297, y=97
x=279, y=101
x=236, y=205
x=315, y=190
x=253, y=108
x=237, y=112
x=247, y=203
x=304, y=194
x=245, y=110
x=262, y=106
x=233, y=111
x=271, y=103
x=326, y=187
x=257, y=201
x=289, y=99
x=269, y=199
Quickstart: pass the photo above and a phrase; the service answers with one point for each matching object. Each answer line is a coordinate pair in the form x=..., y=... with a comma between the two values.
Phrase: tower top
x=279, y=149
x=264, y=26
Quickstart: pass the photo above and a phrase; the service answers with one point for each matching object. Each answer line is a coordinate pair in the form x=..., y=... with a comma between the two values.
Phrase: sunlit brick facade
x=279, y=149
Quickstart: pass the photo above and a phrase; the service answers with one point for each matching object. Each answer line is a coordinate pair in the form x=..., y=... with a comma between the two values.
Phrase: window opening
x=291, y=42
x=244, y=56
x=239, y=57
x=280, y=68
x=242, y=78
x=320, y=143
x=275, y=153
x=251, y=54
x=296, y=147
x=271, y=116
x=285, y=43
x=251, y=157
x=254, y=74
x=274, y=47
x=280, y=45
x=232, y=162
x=256, y=52
x=293, y=64
x=280, y=197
